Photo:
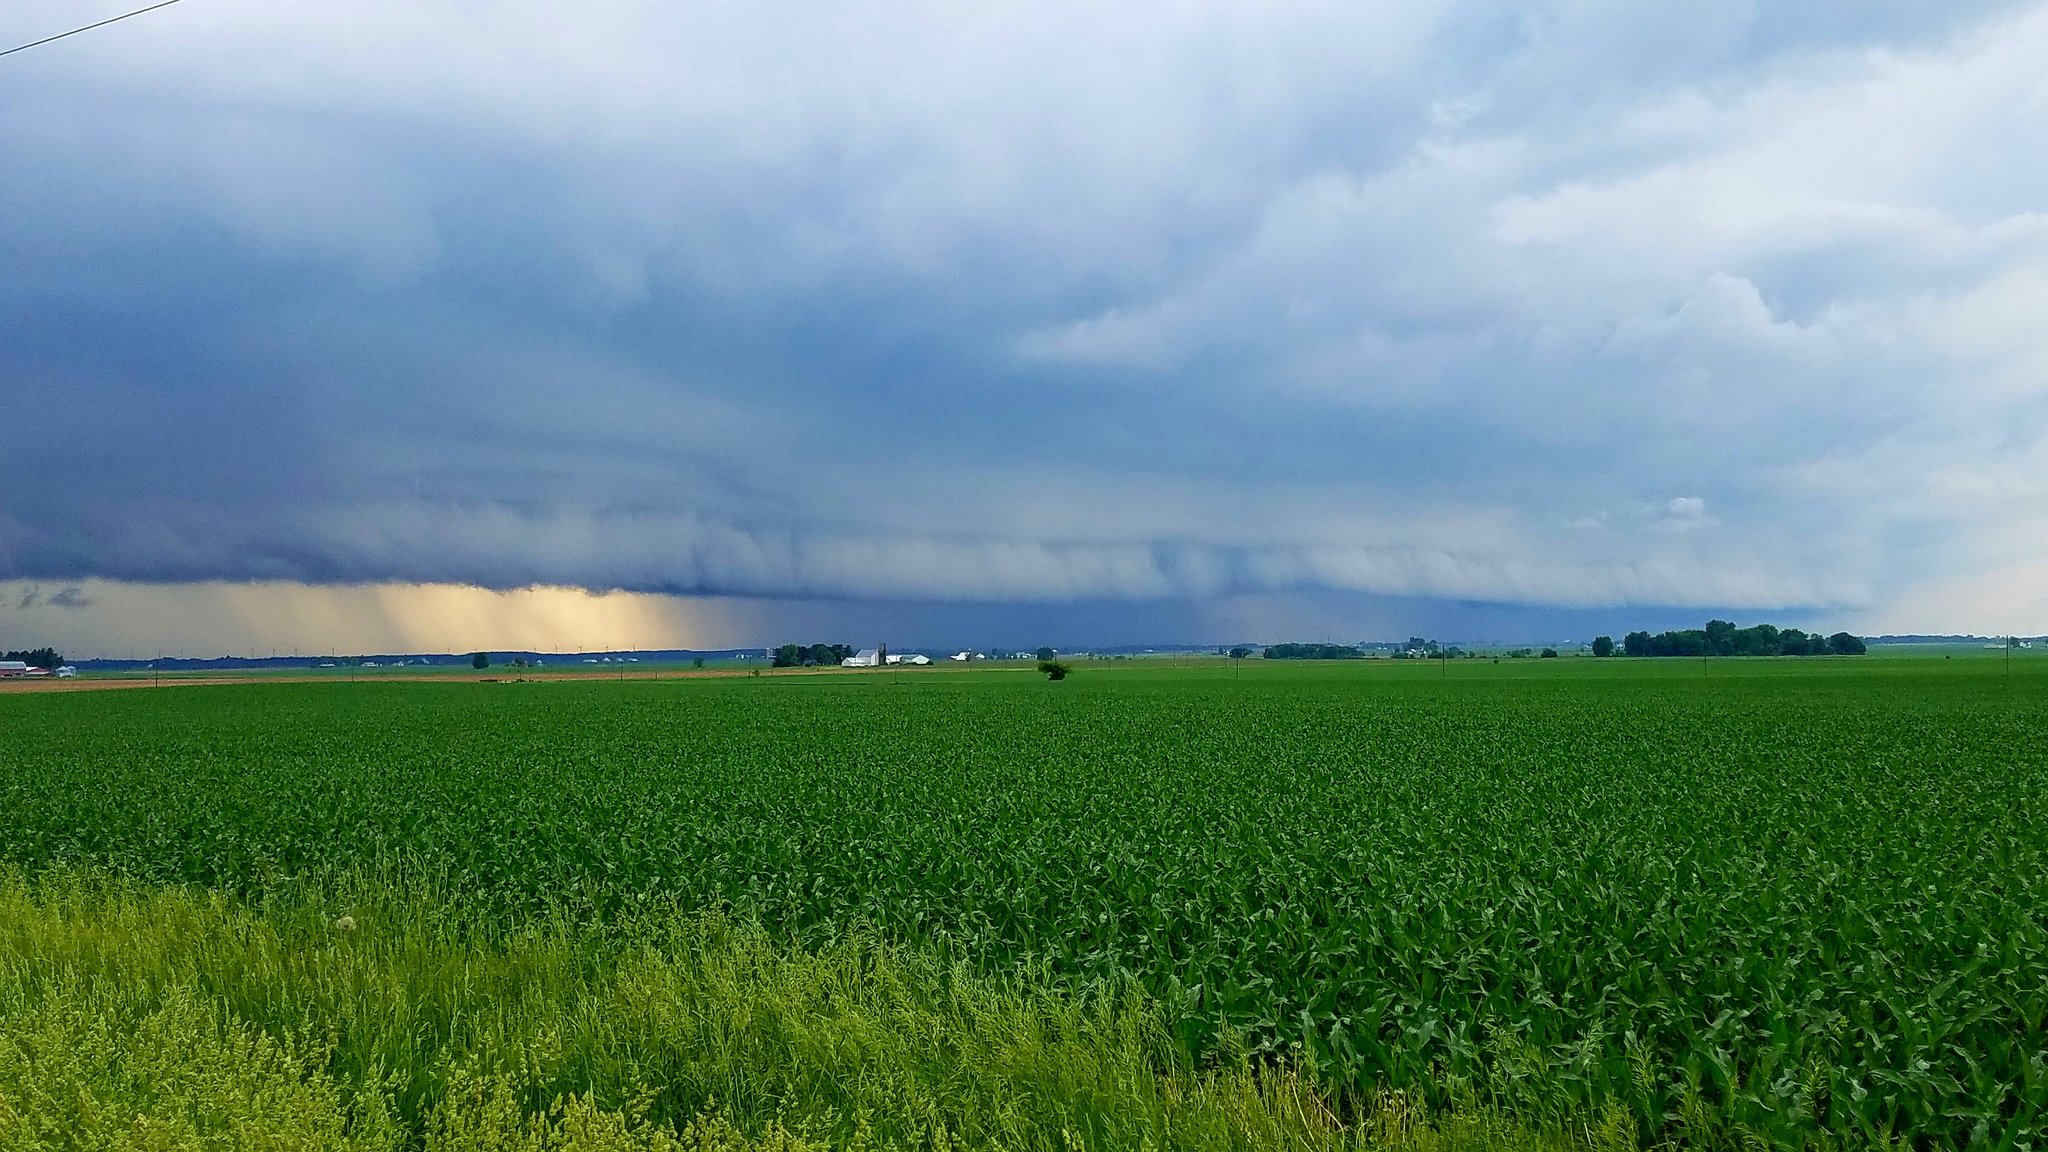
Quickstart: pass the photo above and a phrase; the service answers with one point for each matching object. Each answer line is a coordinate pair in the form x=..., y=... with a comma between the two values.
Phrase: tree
x=1719, y=638
x=1759, y=640
x=806, y=655
x=698, y=662
x=1603, y=646
x=1549, y=654
x=1240, y=653
x=37, y=658
x=1636, y=644
x=479, y=661
x=1045, y=656
x=1053, y=669
x=1843, y=644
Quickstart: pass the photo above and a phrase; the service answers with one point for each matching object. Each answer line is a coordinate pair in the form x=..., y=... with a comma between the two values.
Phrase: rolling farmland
x=1778, y=899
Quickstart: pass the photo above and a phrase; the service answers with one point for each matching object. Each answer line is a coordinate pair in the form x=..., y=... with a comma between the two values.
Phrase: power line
x=87, y=28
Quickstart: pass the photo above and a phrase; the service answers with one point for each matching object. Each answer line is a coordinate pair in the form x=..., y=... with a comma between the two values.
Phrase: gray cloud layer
x=1573, y=303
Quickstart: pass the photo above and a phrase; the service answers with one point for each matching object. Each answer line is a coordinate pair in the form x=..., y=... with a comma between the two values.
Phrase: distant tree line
x=798, y=656
x=1313, y=652
x=1421, y=648
x=37, y=657
x=1416, y=649
x=1721, y=638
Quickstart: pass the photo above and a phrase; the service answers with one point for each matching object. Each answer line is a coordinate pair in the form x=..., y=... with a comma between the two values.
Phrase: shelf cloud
x=1562, y=307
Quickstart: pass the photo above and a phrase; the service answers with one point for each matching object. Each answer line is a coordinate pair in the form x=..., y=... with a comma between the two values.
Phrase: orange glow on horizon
x=114, y=619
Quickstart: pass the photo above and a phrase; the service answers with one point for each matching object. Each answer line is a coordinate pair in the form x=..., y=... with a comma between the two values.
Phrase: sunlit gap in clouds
x=117, y=619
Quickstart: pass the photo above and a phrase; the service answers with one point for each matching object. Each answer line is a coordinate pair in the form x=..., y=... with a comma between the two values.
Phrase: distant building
x=865, y=658
x=12, y=668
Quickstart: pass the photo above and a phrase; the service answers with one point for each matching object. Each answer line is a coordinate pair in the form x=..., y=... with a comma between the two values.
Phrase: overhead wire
x=87, y=28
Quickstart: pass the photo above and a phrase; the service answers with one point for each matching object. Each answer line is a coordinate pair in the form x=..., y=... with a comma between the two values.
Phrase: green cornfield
x=1796, y=903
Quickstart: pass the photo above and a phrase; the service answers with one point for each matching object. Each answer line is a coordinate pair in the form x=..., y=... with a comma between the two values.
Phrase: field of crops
x=1792, y=898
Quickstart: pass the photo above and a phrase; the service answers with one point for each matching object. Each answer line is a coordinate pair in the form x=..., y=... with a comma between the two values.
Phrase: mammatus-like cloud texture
x=1567, y=304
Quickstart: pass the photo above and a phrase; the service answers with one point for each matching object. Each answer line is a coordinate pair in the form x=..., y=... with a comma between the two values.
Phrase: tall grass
x=134, y=1016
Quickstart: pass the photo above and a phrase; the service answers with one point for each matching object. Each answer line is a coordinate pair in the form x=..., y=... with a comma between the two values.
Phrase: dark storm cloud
x=1567, y=304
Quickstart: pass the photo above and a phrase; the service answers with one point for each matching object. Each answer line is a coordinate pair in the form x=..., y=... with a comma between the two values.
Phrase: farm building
x=865, y=658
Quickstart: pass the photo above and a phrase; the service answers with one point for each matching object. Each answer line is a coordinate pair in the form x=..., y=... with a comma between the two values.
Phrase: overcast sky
x=986, y=323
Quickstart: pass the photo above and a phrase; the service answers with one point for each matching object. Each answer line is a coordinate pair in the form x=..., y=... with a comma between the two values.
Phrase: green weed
x=138, y=1018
